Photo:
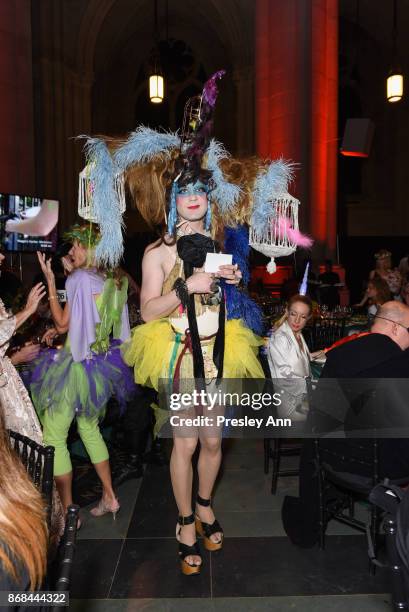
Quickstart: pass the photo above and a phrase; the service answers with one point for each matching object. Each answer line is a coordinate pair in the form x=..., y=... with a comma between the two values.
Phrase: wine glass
x=324, y=311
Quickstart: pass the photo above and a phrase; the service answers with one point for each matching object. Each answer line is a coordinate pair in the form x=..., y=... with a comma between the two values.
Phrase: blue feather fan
x=239, y=304
x=143, y=145
x=270, y=183
x=226, y=194
x=105, y=203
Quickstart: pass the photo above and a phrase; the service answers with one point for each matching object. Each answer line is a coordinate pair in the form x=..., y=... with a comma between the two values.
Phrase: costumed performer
x=78, y=380
x=198, y=327
x=185, y=336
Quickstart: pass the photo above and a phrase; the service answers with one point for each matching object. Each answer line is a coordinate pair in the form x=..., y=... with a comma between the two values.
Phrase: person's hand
x=46, y=267
x=231, y=273
x=49, y=336
x=317, y=355
x=34, y=297
x=26, y=354
x=201, y=282
x=67, y=264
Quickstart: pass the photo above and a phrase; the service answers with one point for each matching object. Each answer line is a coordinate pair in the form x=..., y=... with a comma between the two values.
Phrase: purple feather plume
x=200, y=139
x=210, y=90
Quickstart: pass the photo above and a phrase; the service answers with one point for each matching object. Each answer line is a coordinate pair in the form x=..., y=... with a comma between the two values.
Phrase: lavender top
x=82, y=285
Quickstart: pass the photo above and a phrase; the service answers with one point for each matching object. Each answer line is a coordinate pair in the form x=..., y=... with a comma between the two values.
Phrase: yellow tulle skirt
x=154, y=347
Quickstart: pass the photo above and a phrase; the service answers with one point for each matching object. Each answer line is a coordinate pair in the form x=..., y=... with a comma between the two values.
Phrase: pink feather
x=299, y=238
x=295, y=236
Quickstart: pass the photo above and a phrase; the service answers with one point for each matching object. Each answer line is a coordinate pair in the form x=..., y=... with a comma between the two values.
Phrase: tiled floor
x=131, y=564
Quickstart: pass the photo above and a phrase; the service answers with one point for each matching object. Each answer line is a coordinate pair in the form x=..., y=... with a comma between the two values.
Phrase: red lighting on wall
x=297, y=101
x=353, y=153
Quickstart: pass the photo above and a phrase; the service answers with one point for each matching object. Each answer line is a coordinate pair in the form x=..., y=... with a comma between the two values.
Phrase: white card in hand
x=215, y=260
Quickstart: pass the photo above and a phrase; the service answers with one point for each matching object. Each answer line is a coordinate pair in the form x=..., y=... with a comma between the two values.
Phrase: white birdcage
x=276, y=240
x=86, y=193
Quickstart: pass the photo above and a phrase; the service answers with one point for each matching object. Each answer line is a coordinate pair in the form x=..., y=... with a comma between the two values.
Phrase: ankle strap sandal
x=185, y=550
x=206, y=530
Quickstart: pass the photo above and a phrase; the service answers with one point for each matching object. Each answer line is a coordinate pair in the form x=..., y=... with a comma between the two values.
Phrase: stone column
x=16, y=98
x=244, y=82
x=296, y=103
x=63, y=111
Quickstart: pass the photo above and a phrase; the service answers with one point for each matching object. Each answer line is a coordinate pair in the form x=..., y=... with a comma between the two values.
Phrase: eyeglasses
x=391, y=321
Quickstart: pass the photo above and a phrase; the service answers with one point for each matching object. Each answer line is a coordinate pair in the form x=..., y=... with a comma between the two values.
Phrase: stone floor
x=131, y=563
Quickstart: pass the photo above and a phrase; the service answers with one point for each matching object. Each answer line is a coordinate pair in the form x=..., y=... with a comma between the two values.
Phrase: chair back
x=324, y=333
x=67, y=551
x=349, y=455
x=39, y=463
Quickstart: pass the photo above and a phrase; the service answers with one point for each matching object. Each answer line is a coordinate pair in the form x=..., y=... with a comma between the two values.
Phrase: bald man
x=383, y=353
x=380, y=354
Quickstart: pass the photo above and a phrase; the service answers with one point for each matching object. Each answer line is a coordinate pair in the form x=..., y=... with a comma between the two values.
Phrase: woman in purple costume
x=78, y=380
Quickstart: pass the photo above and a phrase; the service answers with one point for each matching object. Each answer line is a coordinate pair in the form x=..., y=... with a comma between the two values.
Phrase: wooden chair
x=323, y=333
x=350, y=485
x=39, y=463
x=275, y=448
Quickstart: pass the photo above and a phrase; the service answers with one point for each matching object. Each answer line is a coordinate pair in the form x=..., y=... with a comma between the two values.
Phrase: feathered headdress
x=241, y=191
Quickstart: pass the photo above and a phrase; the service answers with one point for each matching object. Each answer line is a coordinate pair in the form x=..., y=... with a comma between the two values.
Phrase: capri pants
x=55, y=432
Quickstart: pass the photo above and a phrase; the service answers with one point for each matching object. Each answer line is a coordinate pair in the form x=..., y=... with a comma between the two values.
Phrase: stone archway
x=69, y=49
x=223, y=22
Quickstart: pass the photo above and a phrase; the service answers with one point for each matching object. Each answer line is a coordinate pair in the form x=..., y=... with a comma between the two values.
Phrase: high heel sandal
x=103, y=508
x=206, y=530
x=185, y=550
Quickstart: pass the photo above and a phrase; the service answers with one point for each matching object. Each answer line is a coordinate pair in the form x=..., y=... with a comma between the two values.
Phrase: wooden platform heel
x=187, y=551
x=206, y=530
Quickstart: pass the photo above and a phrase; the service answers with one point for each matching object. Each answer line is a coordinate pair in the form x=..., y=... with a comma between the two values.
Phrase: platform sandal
x=185, y=550
x=206, y=530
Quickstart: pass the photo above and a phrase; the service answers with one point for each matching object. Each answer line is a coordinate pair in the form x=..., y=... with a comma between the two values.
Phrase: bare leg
x=64, y=488
x=208, y=467
x=104, y=472
x=182, y=474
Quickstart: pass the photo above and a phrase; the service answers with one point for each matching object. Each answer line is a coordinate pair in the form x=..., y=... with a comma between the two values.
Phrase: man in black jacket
x=381, y=354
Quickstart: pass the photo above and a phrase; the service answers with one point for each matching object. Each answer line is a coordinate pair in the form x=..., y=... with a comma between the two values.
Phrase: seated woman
x=289, y=358
x=384, y=270
x=78, y=380
x=376, y=294
x=23, y=527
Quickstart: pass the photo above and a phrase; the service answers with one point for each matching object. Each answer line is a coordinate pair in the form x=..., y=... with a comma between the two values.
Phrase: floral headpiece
x=87, y=235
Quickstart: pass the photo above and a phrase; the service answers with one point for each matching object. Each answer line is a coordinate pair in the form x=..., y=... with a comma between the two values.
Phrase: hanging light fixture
x=156, y=80
x=394, y=86
x=394, y=82
x=156, y=87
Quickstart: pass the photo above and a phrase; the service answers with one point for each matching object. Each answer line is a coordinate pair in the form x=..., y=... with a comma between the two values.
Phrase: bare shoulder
x=153, y=247
x=159, y=251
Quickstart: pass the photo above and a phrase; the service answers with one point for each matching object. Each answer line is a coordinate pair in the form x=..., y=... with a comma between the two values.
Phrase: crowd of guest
x=43, y=342
x=52, y=353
